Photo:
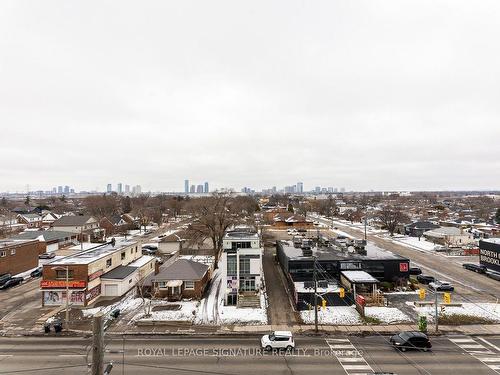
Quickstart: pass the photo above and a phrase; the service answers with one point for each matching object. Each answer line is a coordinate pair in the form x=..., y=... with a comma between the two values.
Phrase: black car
x=12, y=282
x=4, y=278
x=149, y=247
x=411, y=340
x=479, y=268
x=37, y=272
x=46, y=256
x=415, y=271
x=425, y=279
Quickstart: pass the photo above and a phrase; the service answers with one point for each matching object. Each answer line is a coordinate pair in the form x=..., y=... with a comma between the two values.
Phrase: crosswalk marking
x=349, y=357
x=479, y=351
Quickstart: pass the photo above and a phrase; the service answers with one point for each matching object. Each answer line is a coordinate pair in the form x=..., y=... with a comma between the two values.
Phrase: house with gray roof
x=182, y=278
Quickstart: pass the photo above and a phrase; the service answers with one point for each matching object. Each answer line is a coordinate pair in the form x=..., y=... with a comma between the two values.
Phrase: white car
x=278, y=340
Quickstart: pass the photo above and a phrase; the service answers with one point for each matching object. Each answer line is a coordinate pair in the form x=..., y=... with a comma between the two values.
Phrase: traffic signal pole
x=436, y=317
x=315, y=297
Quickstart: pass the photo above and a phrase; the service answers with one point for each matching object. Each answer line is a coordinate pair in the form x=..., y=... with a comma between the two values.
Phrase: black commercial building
x=489, y=253
x=297, y=262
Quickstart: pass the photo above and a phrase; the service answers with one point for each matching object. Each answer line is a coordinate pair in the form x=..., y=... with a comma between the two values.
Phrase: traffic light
x=323, y=304
x=421, y=294
x=341, y=292
x=447, y=298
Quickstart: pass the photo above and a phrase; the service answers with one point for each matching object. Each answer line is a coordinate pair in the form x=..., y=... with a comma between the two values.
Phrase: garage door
x=111, y=290
x=52, y=247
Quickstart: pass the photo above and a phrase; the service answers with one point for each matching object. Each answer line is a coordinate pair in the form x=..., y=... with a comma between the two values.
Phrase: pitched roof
x=48, y=235
x=72, y=221
x=182, y=269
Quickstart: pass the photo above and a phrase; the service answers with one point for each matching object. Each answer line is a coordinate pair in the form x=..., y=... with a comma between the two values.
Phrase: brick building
x=17, y=256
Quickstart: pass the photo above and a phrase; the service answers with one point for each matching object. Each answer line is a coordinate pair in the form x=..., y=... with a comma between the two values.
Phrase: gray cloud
x=366, y=95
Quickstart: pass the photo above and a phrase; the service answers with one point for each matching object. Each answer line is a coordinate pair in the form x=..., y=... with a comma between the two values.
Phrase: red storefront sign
x=403, y=267
x=62, y=284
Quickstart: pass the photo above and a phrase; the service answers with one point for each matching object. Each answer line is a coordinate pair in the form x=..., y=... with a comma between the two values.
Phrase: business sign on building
x=44, y=284
x=58, y=297
x=489, y=255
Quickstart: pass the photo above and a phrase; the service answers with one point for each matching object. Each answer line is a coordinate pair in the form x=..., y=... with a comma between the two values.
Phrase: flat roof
x=333, y=252
x=119, y=273
x=359, y=277
x=95, y=253
x=492, y=240
x=13, y=242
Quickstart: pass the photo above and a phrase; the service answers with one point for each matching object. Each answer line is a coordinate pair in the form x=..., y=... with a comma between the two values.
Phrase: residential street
x=469, y=285
x=232, y=355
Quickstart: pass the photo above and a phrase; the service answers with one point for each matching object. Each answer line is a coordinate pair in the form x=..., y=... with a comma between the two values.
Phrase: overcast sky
x=383, y=95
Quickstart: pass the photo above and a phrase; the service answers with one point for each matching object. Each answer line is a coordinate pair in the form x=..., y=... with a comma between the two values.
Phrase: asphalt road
x=241, y=355
x=468, y=285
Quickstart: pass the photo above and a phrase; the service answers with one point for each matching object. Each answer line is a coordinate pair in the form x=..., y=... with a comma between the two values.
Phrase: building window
x=162, y=284
x=13, y=252
x=244, y=266
x=136, y=249
x=123, y=255
x=3, y=254
x=108, y=263
x=131, y=251
x=231, y=265
x=189, y=285
x=241, y=245
x=61, y=274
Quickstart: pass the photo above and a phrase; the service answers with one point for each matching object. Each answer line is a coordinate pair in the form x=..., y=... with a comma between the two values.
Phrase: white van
x=278, y=340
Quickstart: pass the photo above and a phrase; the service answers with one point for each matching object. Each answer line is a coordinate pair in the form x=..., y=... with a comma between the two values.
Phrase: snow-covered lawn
x=414, y=243
x=489, y=311
x=185, y=313
x=335, y=315
x=387, y=314
x=348, y=315
x=234, y=315
x=127, y=304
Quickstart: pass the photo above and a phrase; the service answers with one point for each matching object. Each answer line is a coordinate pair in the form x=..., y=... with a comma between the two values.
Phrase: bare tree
x=391, y=217
x=212, y=216
x=147, y=295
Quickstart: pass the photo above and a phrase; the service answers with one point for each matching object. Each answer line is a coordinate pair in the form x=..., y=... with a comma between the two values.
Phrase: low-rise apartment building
x=241, y=264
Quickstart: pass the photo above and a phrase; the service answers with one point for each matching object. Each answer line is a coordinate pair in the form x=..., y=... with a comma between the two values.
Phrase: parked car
x=37, y=272
x=441, y=286
x=13, y=281
x=494, y=275
x=302, y=230
x=4, y=278
x=425, y=279
x=415, y=271
x=149, y=247
x=479, y=268
x=149, y=252
x=411, y=340
x=46, y=256
x=278, y=340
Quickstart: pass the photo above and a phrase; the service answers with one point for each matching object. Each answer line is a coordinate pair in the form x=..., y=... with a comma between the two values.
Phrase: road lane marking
x=473, y=348
x=490, y=344
x=349, y=357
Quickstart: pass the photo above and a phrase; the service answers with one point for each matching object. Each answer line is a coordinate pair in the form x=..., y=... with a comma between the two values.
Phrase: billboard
x=489, y=254
x=62, y=284
x=58, y=297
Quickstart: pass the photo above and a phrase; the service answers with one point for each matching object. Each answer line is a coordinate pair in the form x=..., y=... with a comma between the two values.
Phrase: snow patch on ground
x=234, y=315
x=126, y=304
x=388, y=315
x=414, y=243
x=186, y=313
x=484, y=310
x=336, y=315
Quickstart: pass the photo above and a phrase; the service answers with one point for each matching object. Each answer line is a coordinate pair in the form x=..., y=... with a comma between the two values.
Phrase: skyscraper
x=192, y=189
x=127, y=189
x=199, y=189
x=109, y=189
x=120, y=188
x=66, y=189
x=300, y=187
x=186, y=186
x=59, y=189
x=206, y=190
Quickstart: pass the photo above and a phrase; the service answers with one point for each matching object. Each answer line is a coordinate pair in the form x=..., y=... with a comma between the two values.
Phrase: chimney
x=157, y=267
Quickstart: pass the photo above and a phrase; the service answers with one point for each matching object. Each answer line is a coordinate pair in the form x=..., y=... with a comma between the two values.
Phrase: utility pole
x=67, y=298
x=436, y=316
x=98, y=344
x=315, y=297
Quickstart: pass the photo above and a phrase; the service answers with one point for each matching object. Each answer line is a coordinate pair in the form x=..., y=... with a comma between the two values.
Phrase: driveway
x=280, y=311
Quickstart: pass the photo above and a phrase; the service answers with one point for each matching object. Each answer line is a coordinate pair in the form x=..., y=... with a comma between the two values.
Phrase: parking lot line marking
x=489, y=359
x=472, y=346
x=462, y=340
x=357, y=367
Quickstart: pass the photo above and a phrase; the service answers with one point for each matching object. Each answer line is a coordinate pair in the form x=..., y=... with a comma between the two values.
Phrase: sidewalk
x=355, y=330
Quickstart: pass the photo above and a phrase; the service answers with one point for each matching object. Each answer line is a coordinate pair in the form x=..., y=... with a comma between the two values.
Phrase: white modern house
x=241, y=266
